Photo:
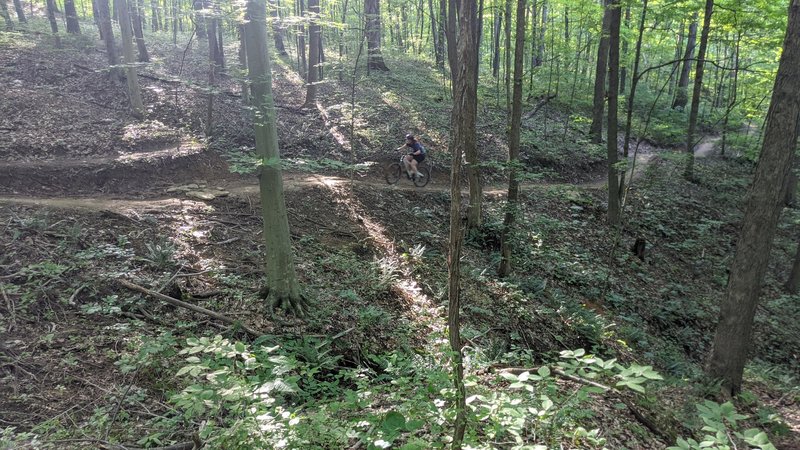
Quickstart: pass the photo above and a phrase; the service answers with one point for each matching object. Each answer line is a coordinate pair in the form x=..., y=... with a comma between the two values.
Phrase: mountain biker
x=415, y=156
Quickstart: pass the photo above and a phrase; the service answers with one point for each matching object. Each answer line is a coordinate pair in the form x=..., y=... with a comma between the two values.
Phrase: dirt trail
x=159, y=199
x=706, y=147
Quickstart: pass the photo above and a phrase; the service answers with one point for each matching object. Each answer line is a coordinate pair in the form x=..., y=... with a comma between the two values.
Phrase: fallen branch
x=181, y=446
x=226, y=241
x=189, y=306
x=541, y=104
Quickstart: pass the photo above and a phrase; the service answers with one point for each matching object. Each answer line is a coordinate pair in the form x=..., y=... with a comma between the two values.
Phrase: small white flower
x=380, y=443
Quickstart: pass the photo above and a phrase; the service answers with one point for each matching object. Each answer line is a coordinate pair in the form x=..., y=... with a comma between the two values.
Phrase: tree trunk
x=540, y=49
x=498, y=22
x=733, y=94
x=463, y=60
x=284, y=289
x=372, y=11
x=598, y=104
x=155, y=16
x=614, y=213
x=51, y=17
x=681, y=96
x=313, y=53
x=220, y=36
x=134, y=93
x=302, y=65
x=698, y=85
x=634, y=83
x=198, y=18
x=213, y=70
x=507, y=61
x=513, y=146
x=213, y=43
x=678, y=48
x=762, y=211
x=463, y=119
x=20, y=12
x=176, y=23
x=71, y=16
x=623, y=71
x=450, y=33
x=6, y=15
x=108, y=37
x=534, y=21
x=793, y=283
x=243, y=65
x=438, y=48
x=137, y=31
x=277, y=31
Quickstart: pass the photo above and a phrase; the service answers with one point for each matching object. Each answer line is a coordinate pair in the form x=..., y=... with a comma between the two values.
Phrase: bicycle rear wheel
x=424, y=179
x=392, y=173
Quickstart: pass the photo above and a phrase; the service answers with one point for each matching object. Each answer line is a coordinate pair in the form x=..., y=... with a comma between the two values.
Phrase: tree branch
x=189, y=306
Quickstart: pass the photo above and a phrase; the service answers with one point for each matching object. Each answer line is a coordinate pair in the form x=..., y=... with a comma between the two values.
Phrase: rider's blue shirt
x=417, y=147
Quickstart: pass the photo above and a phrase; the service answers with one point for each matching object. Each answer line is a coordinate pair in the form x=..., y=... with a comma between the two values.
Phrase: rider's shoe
x=420, y=175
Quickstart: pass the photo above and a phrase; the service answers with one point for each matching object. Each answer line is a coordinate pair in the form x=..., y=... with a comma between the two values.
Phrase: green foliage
x=720, y=422
x=160, y=253
x=536, y=405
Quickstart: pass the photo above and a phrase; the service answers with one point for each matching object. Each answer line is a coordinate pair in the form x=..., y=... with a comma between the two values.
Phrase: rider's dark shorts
x=419, y=158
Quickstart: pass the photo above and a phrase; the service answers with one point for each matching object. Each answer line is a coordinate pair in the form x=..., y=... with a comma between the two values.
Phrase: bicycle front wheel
x=392, y=173
x=424, y=179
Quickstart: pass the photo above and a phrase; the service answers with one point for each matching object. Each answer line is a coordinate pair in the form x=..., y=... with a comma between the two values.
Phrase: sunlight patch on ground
x=333, y=129
x=423, y=308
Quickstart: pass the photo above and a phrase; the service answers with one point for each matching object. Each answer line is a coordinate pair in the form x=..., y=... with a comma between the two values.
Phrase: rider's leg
x=407, y=163
x=414, y=167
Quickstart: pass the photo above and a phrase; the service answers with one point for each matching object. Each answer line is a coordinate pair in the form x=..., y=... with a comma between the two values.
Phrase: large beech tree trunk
x=513, y=145
x=762, y=211
x=134, y=93
x=284, y=289
x=698, y=86
x=614, y=213
x=599, y=102
x=682, y=96
x=372, y=11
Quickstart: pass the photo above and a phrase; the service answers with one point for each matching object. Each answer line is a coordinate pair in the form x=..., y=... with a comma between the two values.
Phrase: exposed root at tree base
x=298, y=305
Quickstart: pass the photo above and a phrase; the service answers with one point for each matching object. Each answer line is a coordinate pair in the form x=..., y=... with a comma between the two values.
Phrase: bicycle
x=395, y=170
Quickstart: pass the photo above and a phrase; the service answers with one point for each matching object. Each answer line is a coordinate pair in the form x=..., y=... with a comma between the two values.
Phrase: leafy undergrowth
x=557, y=355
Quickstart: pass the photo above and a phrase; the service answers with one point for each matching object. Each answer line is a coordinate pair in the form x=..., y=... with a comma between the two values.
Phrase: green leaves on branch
x=720, y=422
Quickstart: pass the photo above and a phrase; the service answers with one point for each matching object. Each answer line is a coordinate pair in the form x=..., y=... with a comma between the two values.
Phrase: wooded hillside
x=411, y=224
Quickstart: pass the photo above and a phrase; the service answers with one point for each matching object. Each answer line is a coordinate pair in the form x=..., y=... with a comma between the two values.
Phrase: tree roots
x=297, y=305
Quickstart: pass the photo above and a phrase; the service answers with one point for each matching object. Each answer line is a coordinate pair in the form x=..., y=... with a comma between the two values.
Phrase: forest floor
x=90, y=196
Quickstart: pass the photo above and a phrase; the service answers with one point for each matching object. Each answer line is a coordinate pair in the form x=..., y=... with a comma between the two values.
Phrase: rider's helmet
x=410, y=136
